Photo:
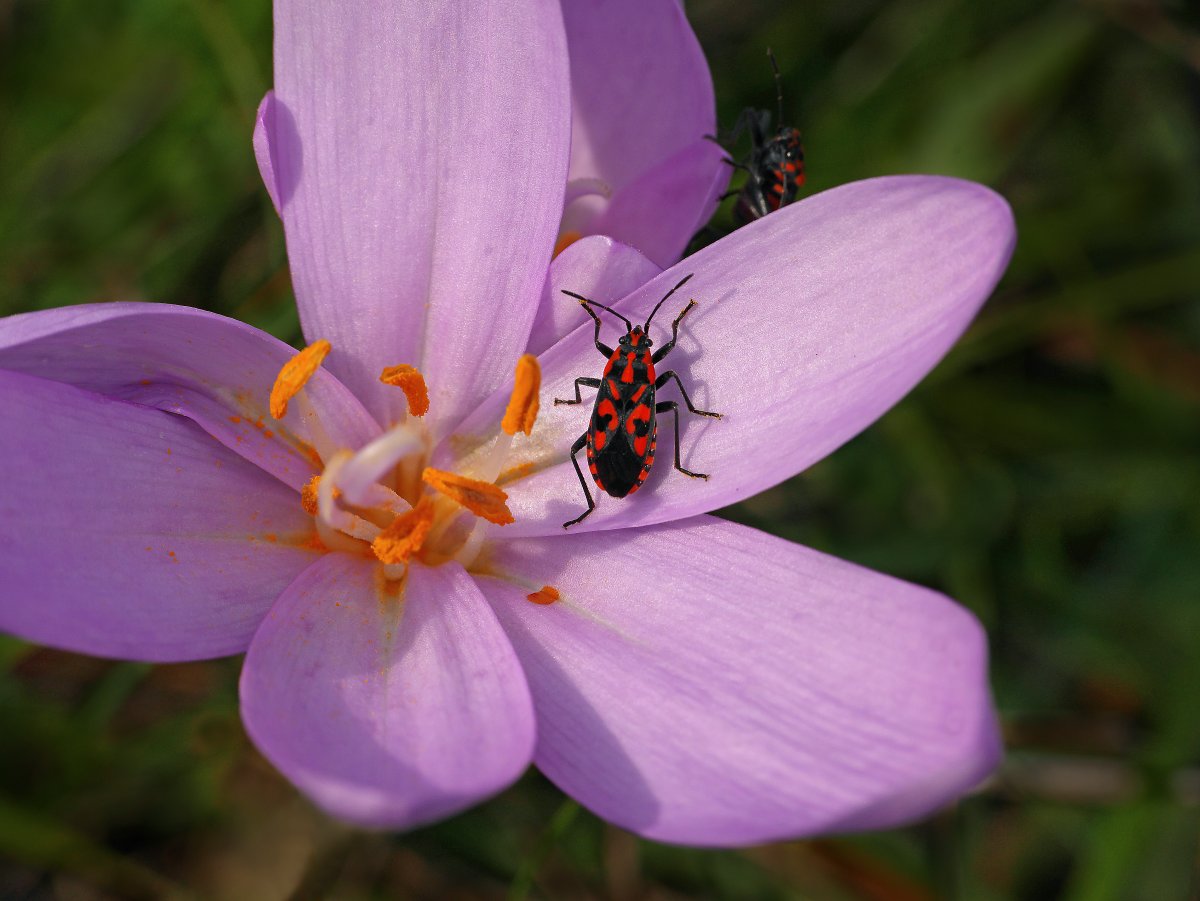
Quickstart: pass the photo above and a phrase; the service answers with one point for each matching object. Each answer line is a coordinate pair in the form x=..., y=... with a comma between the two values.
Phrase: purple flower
x=695, y=681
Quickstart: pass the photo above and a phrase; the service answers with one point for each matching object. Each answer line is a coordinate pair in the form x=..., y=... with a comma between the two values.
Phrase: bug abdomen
x=621, y=439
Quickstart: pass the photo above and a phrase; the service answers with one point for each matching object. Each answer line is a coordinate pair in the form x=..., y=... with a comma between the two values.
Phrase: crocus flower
x=641, y=170
x=181, y=486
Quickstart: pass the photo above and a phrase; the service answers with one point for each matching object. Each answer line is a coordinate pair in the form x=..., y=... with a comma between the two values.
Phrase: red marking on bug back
x=637, y=395
x=606, y=408
x=613, y=388
x=600, y=440
x=627, y=373
x=609, y=365
x=635, y=337
x=648, y=362
x=640, y=413
x=639, y=445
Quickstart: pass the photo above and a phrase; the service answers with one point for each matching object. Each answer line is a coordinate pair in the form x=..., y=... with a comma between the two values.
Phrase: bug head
x=636, y=337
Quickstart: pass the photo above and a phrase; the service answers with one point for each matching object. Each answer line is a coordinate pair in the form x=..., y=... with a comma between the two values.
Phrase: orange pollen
x=308, y=496
x=295, y=374
x=547, y=594
x=404, y=537
x=409, y=380
x=565, y=240
x=523, y=405
x=482, y=498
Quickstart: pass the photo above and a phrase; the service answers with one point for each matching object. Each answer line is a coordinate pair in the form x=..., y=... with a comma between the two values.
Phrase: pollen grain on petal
x=405, y=536
x=545, y=595
x=295, y=374
x=409, y=380
x=565, y=240
x=308, y=495
x=483, y=499
x=523, y=405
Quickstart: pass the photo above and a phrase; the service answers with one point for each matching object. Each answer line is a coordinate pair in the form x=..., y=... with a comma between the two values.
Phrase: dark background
x=1047, y=474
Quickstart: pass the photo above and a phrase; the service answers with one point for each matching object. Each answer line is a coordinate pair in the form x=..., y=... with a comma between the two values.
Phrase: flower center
x=383, y=500
x=584, y=201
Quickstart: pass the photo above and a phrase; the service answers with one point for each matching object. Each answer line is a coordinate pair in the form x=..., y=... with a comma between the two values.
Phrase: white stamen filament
x=586, y=187
x=331, y=513
x=307, y=414
x=359, y=475
x=493, y=464
x=466, y=554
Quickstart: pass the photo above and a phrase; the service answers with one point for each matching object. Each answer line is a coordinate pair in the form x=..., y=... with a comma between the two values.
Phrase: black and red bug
x=775, y=166
x=622, y=435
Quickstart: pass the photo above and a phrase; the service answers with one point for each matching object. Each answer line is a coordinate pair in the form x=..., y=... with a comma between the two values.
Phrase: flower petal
x=810, y=324
x=389, y=706
x=597, y=267
x=264, y=128
x=128, y=532
x=218, y=372
x=641, y=94
x=660, y=211
x=420, y=153
x=756, y=690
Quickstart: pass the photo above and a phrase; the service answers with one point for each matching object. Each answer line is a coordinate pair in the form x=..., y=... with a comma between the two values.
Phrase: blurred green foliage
x=1046, y=474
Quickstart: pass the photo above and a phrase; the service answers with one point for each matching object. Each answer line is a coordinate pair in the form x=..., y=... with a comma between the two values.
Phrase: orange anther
x=547, y=594
x=523, y=405
x=482, y=498
x=295, y=374
x=308, y=496
x=404, y=537
x=565, y=240
x=409, y=380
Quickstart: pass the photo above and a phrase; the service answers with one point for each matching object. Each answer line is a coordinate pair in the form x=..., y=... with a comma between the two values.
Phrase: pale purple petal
x=660, y=211
x=810, y=324
x=642, y=93
x=597, y=267
x=216, y=371
x=420, y=155
x=263, y=129
x=704, y=683
x=128, y=532
x=390, y=704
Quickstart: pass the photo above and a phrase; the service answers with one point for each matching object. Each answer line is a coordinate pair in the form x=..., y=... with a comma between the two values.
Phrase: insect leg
x=666, y=377
x=587, y=383
x=669, y=346
x=663, y=407
x=586, y=304
x=756, y=199
x=576, y=448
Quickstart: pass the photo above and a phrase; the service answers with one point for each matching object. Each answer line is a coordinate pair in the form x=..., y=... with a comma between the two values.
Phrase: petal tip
x=262, y=146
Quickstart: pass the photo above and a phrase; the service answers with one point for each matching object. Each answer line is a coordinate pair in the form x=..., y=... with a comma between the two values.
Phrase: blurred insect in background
x=775, y=165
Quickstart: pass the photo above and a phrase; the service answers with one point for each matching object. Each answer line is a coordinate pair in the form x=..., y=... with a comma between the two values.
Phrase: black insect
x=775, y=166
x=621, y=436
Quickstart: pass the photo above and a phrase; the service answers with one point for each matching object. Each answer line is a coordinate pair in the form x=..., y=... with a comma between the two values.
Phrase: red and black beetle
x=621, y=436
x=775, y=167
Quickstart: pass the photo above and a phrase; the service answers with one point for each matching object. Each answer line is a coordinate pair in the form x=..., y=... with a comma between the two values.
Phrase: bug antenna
x=778, y=87
x=682, y=282
x=592, y=303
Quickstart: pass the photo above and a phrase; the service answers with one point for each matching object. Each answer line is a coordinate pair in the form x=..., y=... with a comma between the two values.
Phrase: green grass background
x=1047, y=474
